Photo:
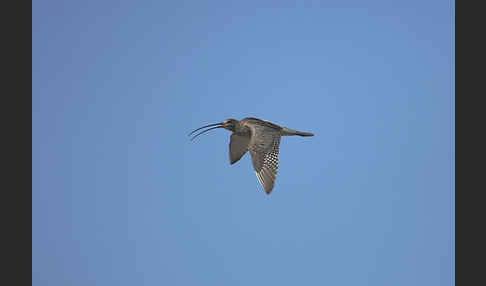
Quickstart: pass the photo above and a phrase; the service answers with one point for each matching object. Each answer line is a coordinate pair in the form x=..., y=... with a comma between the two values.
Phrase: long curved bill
x=218, y=125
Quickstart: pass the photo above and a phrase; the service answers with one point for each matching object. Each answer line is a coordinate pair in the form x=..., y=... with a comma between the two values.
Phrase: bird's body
x=262, y=139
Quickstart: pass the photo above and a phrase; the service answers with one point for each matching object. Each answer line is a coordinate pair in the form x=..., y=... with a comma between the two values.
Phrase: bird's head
x=228, y=124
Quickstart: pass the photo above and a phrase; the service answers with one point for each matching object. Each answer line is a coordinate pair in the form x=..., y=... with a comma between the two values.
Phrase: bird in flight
x=261, y=138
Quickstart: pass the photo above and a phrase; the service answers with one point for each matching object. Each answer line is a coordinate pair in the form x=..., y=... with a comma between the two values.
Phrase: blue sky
x=120, y=196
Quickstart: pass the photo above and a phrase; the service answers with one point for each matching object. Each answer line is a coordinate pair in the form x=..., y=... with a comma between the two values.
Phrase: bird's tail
x=304, y=133
x=291, y=132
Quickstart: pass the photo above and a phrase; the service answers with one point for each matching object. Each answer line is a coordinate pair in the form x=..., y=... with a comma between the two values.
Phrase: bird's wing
x=238, y=147
x=264, y=146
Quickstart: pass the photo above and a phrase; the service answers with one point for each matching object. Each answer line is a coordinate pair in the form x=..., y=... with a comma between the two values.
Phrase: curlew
x=261, y=138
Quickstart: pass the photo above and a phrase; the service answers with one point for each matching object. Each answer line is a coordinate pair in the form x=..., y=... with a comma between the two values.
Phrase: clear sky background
x=120, y=196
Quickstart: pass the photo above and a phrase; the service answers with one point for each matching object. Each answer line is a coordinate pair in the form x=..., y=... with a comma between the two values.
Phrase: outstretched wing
x=238, y=147
x=264, y=146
